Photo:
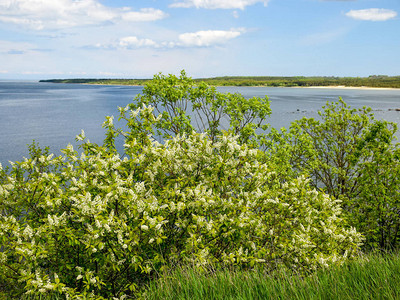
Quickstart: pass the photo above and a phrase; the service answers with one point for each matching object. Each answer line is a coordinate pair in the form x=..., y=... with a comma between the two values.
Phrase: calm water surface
x=53, y=114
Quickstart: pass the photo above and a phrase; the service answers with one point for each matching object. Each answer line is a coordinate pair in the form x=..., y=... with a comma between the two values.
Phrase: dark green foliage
x=375, y=205
x=354, y=158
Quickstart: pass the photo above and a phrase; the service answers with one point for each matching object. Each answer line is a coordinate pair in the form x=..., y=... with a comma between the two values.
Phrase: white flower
x=144, y=227
x=98, y=224
x=50, y=219
x=3, y=257
x=134, y=113
x=28, y=231
x=139, y=187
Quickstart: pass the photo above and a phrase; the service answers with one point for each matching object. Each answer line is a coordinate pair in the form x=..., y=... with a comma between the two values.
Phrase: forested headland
x=376, y=81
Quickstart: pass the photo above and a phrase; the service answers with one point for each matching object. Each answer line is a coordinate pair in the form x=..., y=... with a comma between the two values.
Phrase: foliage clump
x=353, y=157
x=184, y=106
x=99, y=224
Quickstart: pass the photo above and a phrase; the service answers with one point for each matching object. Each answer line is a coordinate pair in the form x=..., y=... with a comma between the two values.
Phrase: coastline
x=345, y=87
x=268, y=86
x=319, y=82
x=110, y=84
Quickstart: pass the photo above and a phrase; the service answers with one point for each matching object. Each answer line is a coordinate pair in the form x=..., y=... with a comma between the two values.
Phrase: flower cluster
x=97, y=225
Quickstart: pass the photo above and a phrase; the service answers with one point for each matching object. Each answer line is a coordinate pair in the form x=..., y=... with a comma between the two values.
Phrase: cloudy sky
x=138, y=38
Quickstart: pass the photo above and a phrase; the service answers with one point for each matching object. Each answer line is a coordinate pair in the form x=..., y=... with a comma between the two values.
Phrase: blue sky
x=138, y=38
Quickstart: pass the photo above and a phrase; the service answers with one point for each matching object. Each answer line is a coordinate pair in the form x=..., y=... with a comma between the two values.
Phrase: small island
x=373, y=81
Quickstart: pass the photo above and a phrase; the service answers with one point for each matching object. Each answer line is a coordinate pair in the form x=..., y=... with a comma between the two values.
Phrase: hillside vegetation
x=201, y=183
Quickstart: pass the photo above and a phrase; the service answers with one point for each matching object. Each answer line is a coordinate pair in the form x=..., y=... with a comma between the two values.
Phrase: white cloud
x=50, y=14
x=372, y=14
x=217, y=4
x=206, y=38
x=8, y=47
x=144, y=15
x=130, y=42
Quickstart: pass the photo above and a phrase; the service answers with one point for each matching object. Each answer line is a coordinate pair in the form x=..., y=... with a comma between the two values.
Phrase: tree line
x=378, y=81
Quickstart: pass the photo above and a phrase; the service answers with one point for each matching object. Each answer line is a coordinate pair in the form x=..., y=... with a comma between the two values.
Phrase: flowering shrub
x=98, y=225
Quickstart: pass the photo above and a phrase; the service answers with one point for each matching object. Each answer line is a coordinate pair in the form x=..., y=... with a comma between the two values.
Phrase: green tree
x=375, y=204
x=351, y=156
x=183, y=105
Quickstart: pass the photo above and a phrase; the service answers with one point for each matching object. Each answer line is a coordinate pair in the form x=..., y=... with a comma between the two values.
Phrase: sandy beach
x=347, y=87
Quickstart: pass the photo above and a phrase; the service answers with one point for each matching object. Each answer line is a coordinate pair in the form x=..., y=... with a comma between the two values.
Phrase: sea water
x=53, y=114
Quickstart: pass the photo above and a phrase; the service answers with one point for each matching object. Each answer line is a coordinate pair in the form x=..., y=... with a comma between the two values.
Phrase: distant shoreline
x=333, y=87
x=346, y=87
x=371, y=82
x=298, y=87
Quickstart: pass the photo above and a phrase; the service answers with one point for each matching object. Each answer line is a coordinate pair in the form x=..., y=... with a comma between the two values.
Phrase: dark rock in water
x=394, y=109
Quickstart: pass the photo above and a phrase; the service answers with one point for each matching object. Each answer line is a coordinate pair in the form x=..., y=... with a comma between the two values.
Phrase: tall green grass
x=369, y=277
x=373, y=276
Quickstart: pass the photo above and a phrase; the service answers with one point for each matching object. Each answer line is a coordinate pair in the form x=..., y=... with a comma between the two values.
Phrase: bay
x=53, y=114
